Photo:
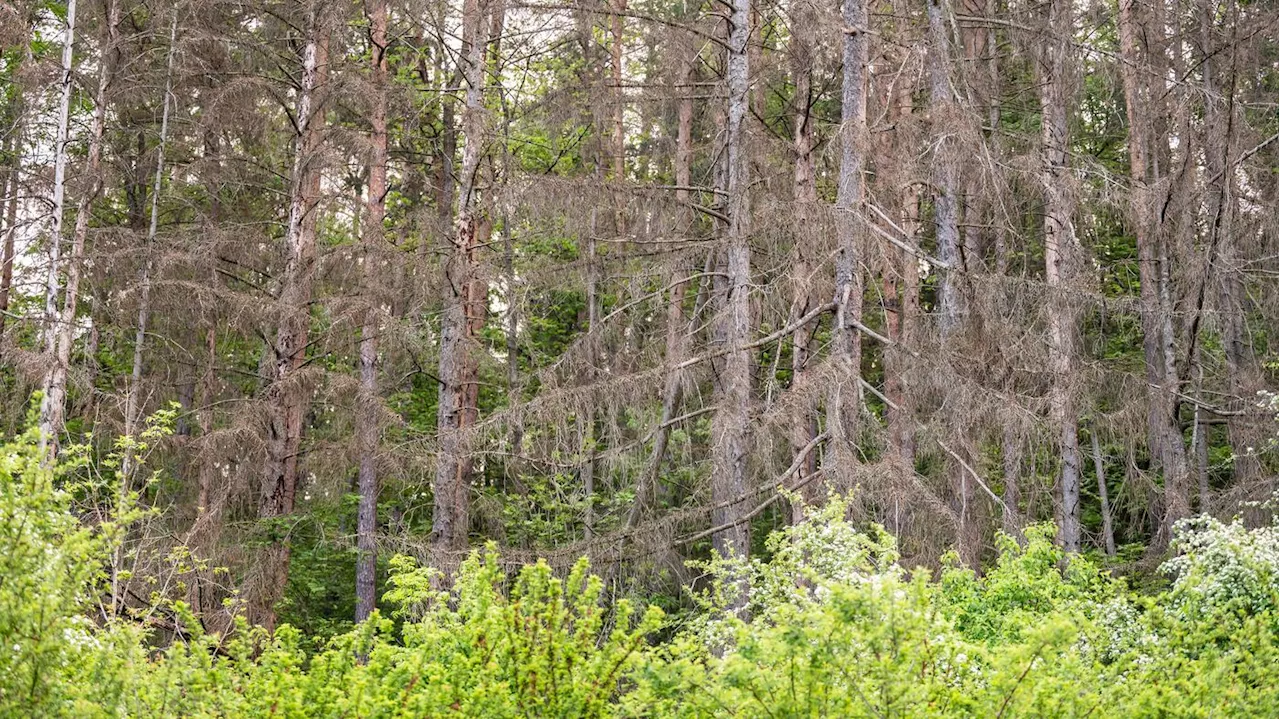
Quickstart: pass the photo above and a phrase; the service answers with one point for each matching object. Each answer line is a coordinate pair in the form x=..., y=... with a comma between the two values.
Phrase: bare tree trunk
x=132, y=399
x=1060, y=259
x=1164, y=432
x=946, y=212
x=367, y=425
x=12, y=194
x=730, y=426
x=1108, y=534
x=946, y=222
x=844, y=403
x=457, y=369
x=1011, y=461
x=804, y=427
x=285, y=398
x=1219, y=140
x=675, y=337
x=60, y=328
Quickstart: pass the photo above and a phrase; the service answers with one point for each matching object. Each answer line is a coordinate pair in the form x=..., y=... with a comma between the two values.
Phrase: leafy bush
x=828, y=625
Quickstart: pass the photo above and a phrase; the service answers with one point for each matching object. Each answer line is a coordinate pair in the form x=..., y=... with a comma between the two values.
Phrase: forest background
x=635, y=280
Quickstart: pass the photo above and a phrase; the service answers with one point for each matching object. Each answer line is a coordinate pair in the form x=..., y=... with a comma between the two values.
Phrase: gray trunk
x=463, y=312
x=844, y=404
x=1061, y=251
x=731, y=425
x=367, y=415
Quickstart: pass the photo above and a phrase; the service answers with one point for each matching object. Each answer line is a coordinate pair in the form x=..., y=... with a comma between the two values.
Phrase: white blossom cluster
x=1223, y=567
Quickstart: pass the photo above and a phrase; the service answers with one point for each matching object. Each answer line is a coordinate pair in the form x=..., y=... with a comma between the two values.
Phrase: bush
x=828, y=625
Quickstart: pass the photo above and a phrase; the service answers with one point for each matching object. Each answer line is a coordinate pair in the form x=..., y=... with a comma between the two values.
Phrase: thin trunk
x=12, y=194
x=845, y=402
x=462, y=312
x=1164, y=432
x=1060, y=258
x=132, y=395
x=285, y=399
x=1219, y=137
x=52, y=286
x=675, y=345
x=945, y=207
x=132, y=400
x=1011, y=461
x=367, y=396
x=1108, y=534
x=730, y=426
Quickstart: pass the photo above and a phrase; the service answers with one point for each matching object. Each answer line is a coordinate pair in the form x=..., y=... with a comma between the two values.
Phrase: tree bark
x=367, y=425
x=463, y=312
x=730, y=426
x=13, y=192
x=844, y=403
x=946, y=220
x=1108, y=534
x=1061, y=250
x=285, y=398
x=1164, y=432
x=804, y=427
x=131, y=404
x=60, y=327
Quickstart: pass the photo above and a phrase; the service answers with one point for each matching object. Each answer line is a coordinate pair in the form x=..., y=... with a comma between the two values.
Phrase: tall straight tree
x=1141, y=107
x=1061, y=252
x=367, y=398
x=463, y=308
x=285, y=400
x=60, y=327
x=844, y=404
x=732, y=421
x=801, y=53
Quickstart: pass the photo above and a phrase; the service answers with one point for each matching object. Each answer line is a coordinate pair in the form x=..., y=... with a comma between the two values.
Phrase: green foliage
x=828, y=625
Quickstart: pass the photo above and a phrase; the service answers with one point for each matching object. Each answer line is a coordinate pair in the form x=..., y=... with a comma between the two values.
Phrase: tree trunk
x=131, y=404
x=462, y=314
x=946, y=219
x=675, y=336
x=12, y=193
x=1164, y=432
x=367, y=396
x=60, y=327
x=285, y=398
x=844, y=404
x=1108, y=534
x=804, y=427
x=731, y=424
x=1060, y=259
x=1219, y=141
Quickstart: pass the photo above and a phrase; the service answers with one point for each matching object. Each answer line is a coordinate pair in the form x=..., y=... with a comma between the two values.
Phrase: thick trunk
x=1060, y=259
x=844, y=403
x=285, y=398
x=367, y=396
x=463, y=312
x=731, y=425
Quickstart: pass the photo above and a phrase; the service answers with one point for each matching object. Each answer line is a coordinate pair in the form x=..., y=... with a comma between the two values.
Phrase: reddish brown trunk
x=285, y=397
